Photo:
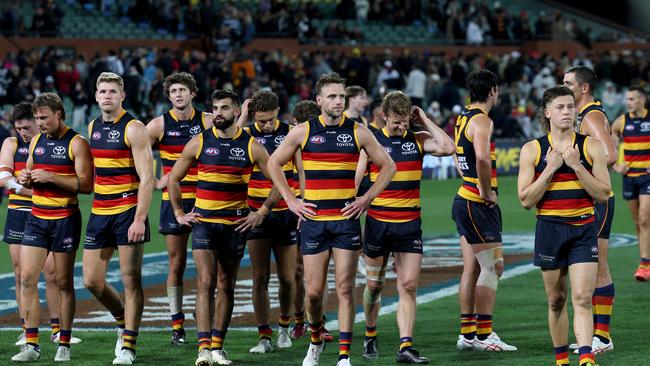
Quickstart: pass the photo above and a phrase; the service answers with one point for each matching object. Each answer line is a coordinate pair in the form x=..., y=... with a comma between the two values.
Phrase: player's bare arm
x=597, y=182
x=243, y=117
x=142, y=158
x=178, y=172
x=378, y=155
x=617, y=126
x=281, y=156
x=480, y=131
x=361, y=169
x=7, y=179
x=434, y=140
x=595, y=125
x=529, y=189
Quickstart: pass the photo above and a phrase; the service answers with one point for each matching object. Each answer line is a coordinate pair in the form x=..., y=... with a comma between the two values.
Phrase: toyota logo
x=59, y=150
x=344, y=138
x=236, y=151
x=408, y=146
x=195, y=130
x=114, y=135
x=279, y=139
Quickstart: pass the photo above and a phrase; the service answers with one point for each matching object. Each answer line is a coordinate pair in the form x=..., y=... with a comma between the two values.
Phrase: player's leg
x=130, y=257
x=14, y=253
x=299, y=329
x=466, y=289
x=345, y=273
x=286, y=267
x=64, y=264
x=604, y=293
x=205, y=261
x=259, y=251
x=558, y=319
x=375, y=277
x=227, y=269
x=583, y=280
x=644, y=237
x=52, y=295
x=177, y=252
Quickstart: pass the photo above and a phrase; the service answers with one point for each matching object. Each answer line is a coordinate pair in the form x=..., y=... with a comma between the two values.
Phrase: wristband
x=263, y=211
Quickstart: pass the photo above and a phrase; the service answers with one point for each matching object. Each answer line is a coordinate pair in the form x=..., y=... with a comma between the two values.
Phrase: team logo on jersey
x=344, y=138
x=388, y=149
x=97, y=135
x=23, y=150
x=317, y=139
x=212, y=151
x=195, y=130
x=237, y=151
x=279, y=139
x=261, y=140
x=59, y=150
x=645, y=126
x=67, y=240
x=174, y=133
x=114, y=135
x=408, y=146
x=39, y=150
x=629, y=127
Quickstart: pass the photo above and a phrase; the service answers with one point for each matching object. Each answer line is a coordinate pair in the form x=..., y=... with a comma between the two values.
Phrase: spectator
x=416, y=85
x=474, y=32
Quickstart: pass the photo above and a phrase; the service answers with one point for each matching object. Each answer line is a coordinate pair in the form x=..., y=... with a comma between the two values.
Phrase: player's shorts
x=382, y=238
x=220, y=237
x=635, y=186
x=110, y=231
x=561, y=245
x=168, y=223
x=15, y=226
x=59, y=235
x=319, y=236
x=279, y=227
x=604, y=213
x=477, y=222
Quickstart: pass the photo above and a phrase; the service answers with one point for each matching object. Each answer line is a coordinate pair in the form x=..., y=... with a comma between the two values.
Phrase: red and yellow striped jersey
x=176, y=135
x=636, y=143
x=467, y=157
x=565, y=200
x=53, y=154
x=330, y=155
x=17, y=201
x=259, y=187
x=584, y=111
x=224, y=169
x=400, y=201
x=116, y=180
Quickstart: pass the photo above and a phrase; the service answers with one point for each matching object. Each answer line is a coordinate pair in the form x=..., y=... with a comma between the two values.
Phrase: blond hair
x=110, y=77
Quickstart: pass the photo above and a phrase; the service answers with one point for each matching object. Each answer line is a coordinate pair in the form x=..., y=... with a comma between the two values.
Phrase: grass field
x=520, y=315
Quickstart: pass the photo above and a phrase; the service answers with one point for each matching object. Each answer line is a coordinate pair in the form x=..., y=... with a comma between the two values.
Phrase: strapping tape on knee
x=376, y=273
x=488, y=259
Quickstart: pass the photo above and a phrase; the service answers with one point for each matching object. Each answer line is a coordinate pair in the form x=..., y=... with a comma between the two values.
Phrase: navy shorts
x=279, y=227
x=15, y=226
x=319, y=236
x=382, y=238
x=220, y=237
x=109, y=231
x=561, y=245
x=168, y=223
x=477, y=222
x=59, y=235
x=635, y=186
x=604, y=217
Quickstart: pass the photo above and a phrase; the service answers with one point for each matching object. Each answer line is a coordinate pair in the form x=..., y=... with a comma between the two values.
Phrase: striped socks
x=31, y=335
x=204, y=341
x=64, y=338
x=645, y=263
x=586, y=356
x=119, y=318
x=56, y=325
x=264, y=331
x=405, y=343
x=217, y=339
x=130, y=338
x=371, y=332
x=562, y=356
x=284, y=321
x=603, y=302
x=483, y=326
x=178, y=320
x=468, y=325
x=316, y=333
x=345, y=341
x=300, y=317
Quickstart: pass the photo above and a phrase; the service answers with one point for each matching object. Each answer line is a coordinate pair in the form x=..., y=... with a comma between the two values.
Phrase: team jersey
x=176, y=134
x=636, y=143
x=259, y=187
x=116, y=179
x=565, y=200
x=584, y=111
x=224, y=169
x=18, y=201
x=400, y=200
x=330, y=155
x=54, y=154
x=467, y=156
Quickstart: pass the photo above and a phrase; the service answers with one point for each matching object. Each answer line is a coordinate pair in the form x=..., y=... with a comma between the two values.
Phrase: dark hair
x=397, y=103
x=375, y=104
x=183, y=78
x=639, y=89
x=220, y=94
x=584, y=75
x=306, y=110
x=353, y=91
x=550, y=95
x=326, y=79
x=263, y=101
x=480, y=84
x=51, y=101
x=22, y=110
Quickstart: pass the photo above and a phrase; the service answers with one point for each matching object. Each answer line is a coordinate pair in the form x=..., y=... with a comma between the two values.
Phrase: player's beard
x=224, y=124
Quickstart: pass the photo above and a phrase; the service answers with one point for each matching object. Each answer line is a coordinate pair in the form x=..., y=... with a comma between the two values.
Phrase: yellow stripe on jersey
x=328, y=194
x=323, y=165
x=110, y=189
x=113, y=163
x=54, y=202
x=223, y=178
x=396, y=202
x=568, y=212
x=401, y=176
x=184, y=195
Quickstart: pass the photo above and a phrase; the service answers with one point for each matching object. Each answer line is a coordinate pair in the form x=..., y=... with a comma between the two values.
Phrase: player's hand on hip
x=189, y=218
x=301, y=208
x=354, y=210
x=251, y=221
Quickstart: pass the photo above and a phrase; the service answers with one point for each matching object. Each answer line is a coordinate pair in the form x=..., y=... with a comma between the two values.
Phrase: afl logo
x=317, y=139
x=629, y=127
x=39, y=151
x=97, y=135
x=174, y=133
x=236, y=151
x=279, y=139
x=261, y=140
x=344, y=138
x=212, y=151
x=114, y=135
x=408, y=146
x=195, y=130
x=388, y=149
x=23, y=151
x=59, y=150
x=67, y=240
